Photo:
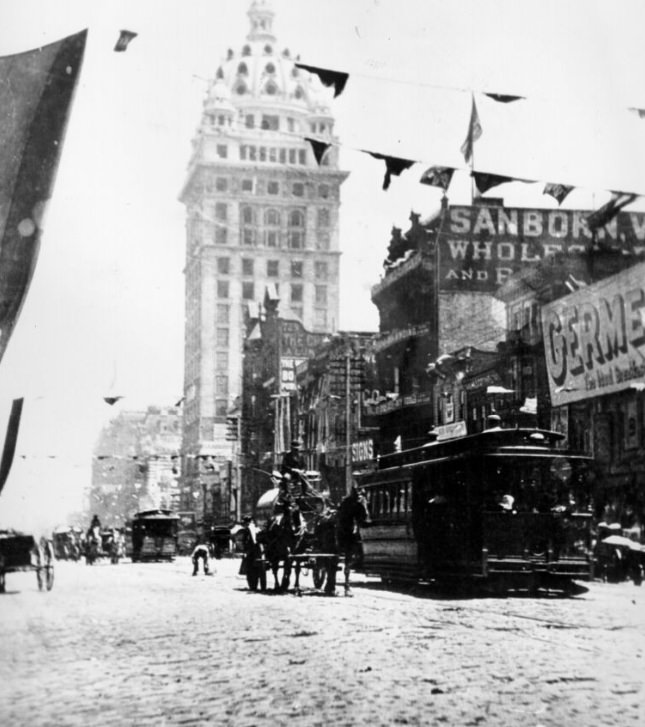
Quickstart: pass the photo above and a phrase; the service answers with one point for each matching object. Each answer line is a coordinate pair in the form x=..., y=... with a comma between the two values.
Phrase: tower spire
x=261, y=16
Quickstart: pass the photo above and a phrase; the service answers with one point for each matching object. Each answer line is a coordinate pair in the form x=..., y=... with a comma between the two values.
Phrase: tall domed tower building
x=260, y=210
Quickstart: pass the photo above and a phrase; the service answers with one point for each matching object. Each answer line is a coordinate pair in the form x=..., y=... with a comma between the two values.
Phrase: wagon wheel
x=38, y=562
x=48, y=553
x=319, y=572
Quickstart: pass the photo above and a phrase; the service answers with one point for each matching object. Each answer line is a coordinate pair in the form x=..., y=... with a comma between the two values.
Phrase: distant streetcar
x=505, y=508
x=154, y=535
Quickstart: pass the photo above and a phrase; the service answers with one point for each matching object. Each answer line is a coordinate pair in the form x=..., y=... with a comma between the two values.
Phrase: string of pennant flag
x=441, y=176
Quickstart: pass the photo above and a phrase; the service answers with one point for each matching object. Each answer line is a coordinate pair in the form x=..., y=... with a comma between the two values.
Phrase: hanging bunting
x=558, y=191
x=503, y=97
x=474, y=132
x=124, y=40
x=437, y=177
x=393, y=165
x=10, y=441
x=331, y=79
x=484, y=181
x=639, y=112
x=318, y=147
x=35, y=100
x=605, y=214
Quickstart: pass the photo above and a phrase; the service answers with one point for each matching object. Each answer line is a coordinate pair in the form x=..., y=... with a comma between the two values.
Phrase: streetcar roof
x=491, y=442
x=156, y=515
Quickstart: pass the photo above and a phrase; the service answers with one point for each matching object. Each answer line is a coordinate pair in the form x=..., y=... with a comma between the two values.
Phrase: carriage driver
x=294, y=466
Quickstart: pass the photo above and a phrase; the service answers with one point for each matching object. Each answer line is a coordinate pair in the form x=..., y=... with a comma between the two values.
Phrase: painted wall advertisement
x=594, y=339
x=482, y=245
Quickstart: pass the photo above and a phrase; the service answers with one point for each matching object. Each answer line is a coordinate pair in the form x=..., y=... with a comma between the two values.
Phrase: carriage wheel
x=39, y=566
x=49, y=564
x=319, y=572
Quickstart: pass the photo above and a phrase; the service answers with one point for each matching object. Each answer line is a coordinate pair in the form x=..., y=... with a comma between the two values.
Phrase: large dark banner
x=36, y=90
x=480, y=246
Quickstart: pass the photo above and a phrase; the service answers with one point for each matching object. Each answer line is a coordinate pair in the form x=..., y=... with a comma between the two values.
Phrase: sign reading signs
x=481, y=246
x=594, y=339
x=363, y=450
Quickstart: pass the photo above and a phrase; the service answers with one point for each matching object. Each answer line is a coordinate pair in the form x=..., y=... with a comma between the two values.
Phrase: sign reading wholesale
x=594, y=339
x=480, y=246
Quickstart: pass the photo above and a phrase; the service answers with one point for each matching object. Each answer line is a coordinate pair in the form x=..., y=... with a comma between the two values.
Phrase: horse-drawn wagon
x=21, y=552
x=300, y=530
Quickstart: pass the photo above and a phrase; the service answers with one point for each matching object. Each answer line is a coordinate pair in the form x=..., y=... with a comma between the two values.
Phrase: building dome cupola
x=261, y=16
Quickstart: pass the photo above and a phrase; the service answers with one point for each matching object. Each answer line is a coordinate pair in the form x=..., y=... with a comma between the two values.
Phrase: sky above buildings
x=105, y=307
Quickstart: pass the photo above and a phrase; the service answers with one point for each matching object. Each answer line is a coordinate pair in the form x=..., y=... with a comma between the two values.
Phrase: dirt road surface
x=147, y=644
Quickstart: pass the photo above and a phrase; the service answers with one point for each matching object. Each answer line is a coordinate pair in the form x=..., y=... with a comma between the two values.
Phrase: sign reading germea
x=480, y=246
x=594, y=339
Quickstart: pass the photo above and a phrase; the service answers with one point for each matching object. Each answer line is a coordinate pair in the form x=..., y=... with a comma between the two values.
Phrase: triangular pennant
x=319, y=148
x=331, y=79
x=111, y=400
x=605, y=214
x=503, y=97
x=437, y=177
x=124, y=40
x=558, y=191
x=474, y=132
x=484, y=181
x=393, y=166
x=639, y=112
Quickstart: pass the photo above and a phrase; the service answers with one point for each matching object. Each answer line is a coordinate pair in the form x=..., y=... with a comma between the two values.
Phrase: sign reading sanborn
x=594, y=339
x=482, y=245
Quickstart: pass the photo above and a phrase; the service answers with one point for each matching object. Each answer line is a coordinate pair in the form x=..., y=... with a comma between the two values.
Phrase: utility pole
x=238, y=470
x=348, y=417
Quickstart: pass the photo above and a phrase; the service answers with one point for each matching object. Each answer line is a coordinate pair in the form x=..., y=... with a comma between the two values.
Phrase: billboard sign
x=481, y=246
x=594, y=339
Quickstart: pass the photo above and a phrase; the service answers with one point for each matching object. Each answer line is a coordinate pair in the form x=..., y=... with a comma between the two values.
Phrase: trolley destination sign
x=594, y=338
x=481, y=246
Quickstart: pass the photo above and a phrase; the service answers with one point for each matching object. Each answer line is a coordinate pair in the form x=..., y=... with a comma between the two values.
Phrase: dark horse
x=283, y=538
x=337, y=532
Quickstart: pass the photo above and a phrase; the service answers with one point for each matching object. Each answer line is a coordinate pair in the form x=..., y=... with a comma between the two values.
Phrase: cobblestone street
x=147, y=644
